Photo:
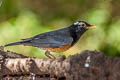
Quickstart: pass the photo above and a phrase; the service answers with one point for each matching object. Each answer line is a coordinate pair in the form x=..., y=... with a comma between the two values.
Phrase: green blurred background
x=20, y=19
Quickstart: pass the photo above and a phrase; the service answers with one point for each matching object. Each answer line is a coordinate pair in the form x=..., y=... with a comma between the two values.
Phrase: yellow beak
x=91, y=27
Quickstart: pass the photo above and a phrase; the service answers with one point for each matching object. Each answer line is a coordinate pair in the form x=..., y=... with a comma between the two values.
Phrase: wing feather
x=49, y=41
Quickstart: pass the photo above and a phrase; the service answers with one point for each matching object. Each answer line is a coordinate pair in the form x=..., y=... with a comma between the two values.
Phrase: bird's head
x=78, y=28
x=82, y=26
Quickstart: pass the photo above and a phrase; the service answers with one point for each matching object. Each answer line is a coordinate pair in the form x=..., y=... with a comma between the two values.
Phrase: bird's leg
x=52, y=55
x=47, y=53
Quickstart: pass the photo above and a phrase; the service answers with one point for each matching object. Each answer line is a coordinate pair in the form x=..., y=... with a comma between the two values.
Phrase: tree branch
x=89, y=65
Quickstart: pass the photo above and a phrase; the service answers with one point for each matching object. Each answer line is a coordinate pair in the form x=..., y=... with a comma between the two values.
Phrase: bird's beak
x=91, y=27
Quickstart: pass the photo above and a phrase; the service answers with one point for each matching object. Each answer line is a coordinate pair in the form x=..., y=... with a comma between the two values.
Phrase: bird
x=58, y=40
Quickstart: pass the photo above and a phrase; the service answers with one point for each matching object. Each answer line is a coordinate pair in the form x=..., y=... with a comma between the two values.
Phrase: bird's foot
x=47, y=53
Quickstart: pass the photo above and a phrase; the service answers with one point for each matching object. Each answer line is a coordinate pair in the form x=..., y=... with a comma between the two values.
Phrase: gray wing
x=49, y=40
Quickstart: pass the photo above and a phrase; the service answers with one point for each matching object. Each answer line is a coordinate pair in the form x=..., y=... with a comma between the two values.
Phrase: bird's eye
x=83, y=25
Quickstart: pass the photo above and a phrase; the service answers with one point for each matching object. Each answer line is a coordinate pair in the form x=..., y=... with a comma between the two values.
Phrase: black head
x=78, y=28
x=82, y=26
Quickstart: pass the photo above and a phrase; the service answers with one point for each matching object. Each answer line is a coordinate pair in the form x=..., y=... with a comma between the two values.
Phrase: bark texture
x=89, y=65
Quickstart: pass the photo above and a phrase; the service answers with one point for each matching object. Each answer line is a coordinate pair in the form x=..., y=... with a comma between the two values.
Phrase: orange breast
x=61, y=49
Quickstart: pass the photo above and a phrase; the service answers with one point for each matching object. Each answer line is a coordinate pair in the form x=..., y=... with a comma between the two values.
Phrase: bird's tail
x=12, y=44
x=24, y=41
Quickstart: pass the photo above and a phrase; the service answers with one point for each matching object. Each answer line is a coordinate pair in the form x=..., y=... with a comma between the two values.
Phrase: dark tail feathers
x=12, y=44
x=19, y=43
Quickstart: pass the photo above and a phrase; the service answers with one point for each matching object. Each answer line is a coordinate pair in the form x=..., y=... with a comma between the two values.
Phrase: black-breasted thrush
x=58, y=40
